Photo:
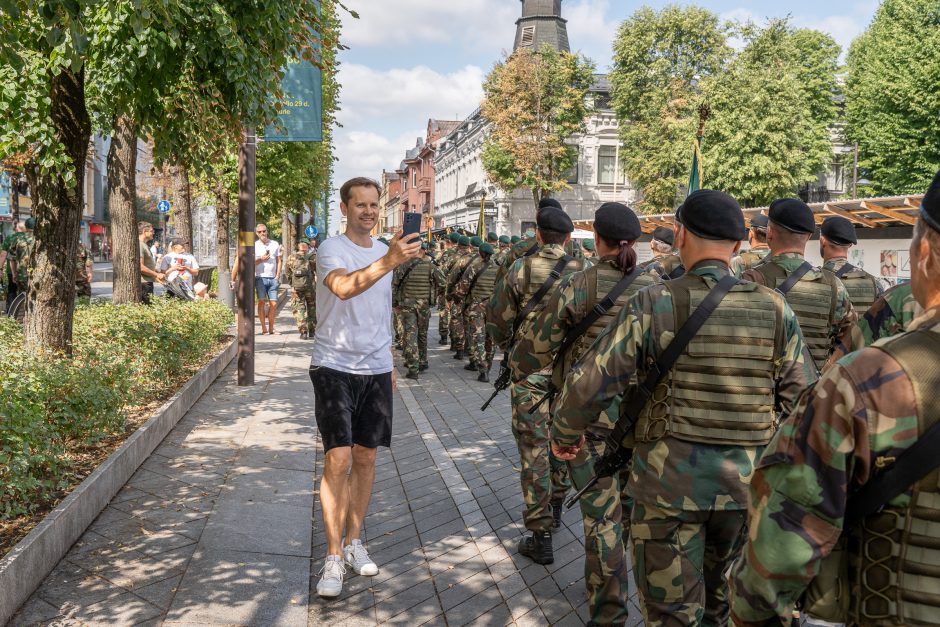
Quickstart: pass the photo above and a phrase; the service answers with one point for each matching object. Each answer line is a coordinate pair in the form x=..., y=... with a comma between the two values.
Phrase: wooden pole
x=246, y=259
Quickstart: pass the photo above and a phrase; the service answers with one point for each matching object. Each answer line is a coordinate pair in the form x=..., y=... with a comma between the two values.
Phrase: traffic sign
x=163, y=206
x=310, y=231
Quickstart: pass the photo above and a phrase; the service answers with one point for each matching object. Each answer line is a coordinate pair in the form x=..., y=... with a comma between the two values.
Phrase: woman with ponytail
x=568, y=324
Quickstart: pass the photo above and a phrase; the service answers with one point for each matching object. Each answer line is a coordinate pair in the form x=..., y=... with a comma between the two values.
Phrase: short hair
x=787, y=238
x=661, y=246
x=759, y=234
x=177, y=241
x=143, y=227
x=553, y=237
x=923, y=230
x=345, y=192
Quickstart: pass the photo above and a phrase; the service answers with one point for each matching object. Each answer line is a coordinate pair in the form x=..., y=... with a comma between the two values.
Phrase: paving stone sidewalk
x=221, y=525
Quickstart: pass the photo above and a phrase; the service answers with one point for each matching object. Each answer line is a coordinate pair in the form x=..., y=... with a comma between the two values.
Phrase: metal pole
x=246, y=259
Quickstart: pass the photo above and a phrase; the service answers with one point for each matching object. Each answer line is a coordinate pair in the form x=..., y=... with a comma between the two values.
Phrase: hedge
x=124, y=357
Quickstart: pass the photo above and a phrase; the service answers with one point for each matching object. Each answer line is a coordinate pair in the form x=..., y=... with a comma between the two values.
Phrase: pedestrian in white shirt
x=267, y=270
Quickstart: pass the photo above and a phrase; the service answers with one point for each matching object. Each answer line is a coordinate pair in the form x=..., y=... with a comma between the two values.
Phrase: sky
x=411, y=60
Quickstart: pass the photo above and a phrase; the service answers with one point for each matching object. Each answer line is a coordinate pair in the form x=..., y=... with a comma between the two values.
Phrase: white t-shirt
x=269, y=268
x=354, y=335
x=168, y=262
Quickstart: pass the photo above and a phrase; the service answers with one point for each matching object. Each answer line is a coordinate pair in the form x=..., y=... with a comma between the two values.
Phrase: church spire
x=541, y=24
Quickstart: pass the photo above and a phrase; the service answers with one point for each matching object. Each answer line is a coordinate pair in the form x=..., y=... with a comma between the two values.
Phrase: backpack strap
x=794, y=278
x=841, y=272
x=530, y=306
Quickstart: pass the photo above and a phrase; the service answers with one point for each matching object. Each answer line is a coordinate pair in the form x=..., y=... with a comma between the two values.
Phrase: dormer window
x=528, y=36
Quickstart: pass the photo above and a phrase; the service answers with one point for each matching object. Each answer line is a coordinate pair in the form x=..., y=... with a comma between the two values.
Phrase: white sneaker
x=358, y=559
x=331, y=579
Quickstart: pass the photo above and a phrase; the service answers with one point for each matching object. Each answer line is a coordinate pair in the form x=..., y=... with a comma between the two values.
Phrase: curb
x=26, y=566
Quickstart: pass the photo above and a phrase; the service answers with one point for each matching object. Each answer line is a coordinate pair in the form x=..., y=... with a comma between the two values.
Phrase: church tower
x=541, y=24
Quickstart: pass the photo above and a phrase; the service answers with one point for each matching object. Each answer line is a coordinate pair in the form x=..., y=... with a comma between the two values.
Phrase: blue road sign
x=310, y=231
x=163, y=206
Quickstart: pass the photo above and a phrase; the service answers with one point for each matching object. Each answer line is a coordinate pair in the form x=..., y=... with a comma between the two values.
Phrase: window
x=528, y=36
x=601, y=100
x=571, y=174
x=607, y=166
x=414, y=177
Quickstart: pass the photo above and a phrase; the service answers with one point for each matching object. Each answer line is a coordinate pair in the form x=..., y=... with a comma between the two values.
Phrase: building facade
x=390, y=203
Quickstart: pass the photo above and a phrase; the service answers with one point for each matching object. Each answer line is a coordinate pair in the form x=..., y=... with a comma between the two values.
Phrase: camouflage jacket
x=516, y=251
x=20, y=249
x=462, y=288
x=861, y=410
x=83, y=265
x=842, y=317
x=500, y=257
x=748, y=259
x=509, y=297
x=403, y=276
x=670, y=472
x=298, y=272
x=563, y=311
x=664, y=265
x=455, y=270
x=891, y=314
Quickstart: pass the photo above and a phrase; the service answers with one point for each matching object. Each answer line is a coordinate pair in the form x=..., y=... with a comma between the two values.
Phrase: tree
x=226, y=54
x=660, y=61
x=892, y=103
x=772, y=109
x=534, y=101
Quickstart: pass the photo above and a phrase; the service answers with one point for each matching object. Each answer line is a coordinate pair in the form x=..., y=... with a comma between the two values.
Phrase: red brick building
x=416, y=171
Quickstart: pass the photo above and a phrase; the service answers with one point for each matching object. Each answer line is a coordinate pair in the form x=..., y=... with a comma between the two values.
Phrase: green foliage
x=660, y=60
x=772, y=109
x=892, y=101
x=535, y=101
x=123, y=356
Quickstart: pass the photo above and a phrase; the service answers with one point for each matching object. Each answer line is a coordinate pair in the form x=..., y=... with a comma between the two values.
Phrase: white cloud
x=591, y=30
x=417, y=92
x=485, y=23
x=842, y=28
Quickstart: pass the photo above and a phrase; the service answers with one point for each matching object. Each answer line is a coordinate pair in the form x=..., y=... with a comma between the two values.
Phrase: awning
x=96, y=229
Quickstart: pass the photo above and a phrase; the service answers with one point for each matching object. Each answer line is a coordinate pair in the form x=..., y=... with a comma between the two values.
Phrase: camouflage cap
x=303, y=240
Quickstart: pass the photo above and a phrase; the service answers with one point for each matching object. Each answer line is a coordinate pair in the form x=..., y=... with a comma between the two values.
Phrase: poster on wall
x=895, y=266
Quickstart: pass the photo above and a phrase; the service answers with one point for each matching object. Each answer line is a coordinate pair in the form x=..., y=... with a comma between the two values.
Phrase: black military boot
x=412, y=374
x=443, y=340
x=558, y=508
x=537, y=547
x=484, y=377
x=460, y=354
x=471, y=366
x=422, y=367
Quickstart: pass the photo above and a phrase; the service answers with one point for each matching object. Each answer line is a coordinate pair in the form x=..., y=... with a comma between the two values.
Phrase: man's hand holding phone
x=404, y=247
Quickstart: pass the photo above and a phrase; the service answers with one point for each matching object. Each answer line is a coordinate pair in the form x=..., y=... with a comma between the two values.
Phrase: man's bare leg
x=334, y=497
x=360, y=490
x=261, y=316
x=272, y=313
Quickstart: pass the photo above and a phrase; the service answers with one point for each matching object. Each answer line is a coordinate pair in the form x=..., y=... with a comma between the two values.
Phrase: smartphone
x=412, y=223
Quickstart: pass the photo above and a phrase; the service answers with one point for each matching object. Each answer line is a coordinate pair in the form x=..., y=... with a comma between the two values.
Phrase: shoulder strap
x=845, y=270
x=595, y=314
x=677, y=272
x=634, y=403
x=534, y=249
x=404, y=275
x=794, y=278
x=542, y=291
x=920, y=350
x=473, y=281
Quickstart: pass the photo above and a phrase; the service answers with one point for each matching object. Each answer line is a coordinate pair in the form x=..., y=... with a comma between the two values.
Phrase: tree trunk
x=15, y=203
x=286, y=228
x=57, y=207
x=122, y=191
x=182, y=203
x=223, y=212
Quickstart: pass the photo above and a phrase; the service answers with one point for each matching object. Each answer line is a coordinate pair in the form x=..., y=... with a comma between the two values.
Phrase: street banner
x=301, y=108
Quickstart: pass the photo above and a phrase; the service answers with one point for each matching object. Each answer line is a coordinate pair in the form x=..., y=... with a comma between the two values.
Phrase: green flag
x=695, y=176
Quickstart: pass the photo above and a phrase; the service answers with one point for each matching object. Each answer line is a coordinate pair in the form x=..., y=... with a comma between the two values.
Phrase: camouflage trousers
x=304, y=306
x=396, y=324
x=82, y=289
x=457, y=332
x=415, y=318
x=443, y=322
x=481, y=344
x=544, y=479
x=605, y=509
x=680, y=562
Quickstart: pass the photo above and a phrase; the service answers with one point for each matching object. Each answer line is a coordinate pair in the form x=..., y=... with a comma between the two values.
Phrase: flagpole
x=480, y=228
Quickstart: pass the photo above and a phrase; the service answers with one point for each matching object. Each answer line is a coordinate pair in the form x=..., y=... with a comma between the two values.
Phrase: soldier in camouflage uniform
x=665, y=262
x=757, y=236
x=443, y=306
x=475, y=289
x=696, y=444
x=20, y=250
x=8, y=265
x=837, y=236
x=853, y=426
x=819, y=299
x=605, y=508
x=590, y=249
x=544, y=479
x=415, y=285
x=525, y=246
x=502, y=252
x=84, y=269
x=300, y=277
x=891, y=314
x=462, y=259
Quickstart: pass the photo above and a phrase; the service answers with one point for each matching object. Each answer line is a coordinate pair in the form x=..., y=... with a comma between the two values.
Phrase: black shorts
x=352, y=408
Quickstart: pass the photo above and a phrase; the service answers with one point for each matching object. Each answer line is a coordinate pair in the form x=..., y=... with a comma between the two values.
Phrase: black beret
x=486, y=248
x=792, y=214
x=839, y=231
x=514, y=239
x=454, y=237
x=930, y=205
x=664, y=234
x=617, y=222
x=463, y=241
x=759, y=221
x=554, y=219
x=550, y=202
x=712, y=215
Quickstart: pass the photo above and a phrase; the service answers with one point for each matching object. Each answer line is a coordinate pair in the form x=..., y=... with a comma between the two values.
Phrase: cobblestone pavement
x=221, y=525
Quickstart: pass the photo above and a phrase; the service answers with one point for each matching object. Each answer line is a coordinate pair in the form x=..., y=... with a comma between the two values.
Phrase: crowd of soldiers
x=15, y=251
x=720, y=380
